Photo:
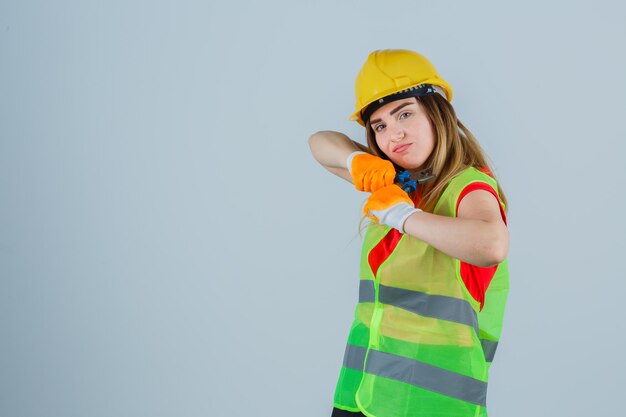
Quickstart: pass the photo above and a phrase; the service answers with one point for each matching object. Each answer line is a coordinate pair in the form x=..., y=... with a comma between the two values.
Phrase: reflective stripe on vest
x=489, y=347
x=436, y=306
x=428, y=305
x=354, y=358
x=417, y=373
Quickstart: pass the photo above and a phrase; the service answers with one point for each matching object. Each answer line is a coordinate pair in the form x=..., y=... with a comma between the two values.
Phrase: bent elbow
x=499, y=249
x=319, y=136
x=316, y=136
x=490, y=258
x=319, y=143
x=494, y=249
x=497, y=256
x=313, y=138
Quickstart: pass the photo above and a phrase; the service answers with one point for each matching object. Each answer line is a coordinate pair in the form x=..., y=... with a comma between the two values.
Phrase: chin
x=413, y=167
x=409, y=165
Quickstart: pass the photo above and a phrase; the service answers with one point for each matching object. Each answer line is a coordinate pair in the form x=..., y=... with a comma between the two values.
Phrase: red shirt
x=476, y=278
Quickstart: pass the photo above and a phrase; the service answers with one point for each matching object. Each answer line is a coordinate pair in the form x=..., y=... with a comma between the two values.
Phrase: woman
x=434, y=276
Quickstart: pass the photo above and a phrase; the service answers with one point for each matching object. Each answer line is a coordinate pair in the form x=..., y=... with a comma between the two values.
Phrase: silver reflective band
x=427, y=376
x=436, y=306
x=366, y=291
x=429, y=305
x=489, y=348
x=354, y=357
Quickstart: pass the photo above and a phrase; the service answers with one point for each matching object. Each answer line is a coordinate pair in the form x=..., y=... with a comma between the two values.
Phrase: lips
x=401, y=148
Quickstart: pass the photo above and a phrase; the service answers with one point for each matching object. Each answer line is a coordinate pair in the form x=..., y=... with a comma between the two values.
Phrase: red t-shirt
x=476, y=278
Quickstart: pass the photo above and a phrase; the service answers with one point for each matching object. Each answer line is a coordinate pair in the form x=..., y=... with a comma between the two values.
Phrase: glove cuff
x=350, y=158
x=398, y=215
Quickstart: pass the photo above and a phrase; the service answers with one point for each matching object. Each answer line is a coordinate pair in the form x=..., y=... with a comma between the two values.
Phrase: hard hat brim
x=439, y=86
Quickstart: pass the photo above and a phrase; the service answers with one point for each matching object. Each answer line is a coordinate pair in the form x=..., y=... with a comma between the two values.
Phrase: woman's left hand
x=391, y=206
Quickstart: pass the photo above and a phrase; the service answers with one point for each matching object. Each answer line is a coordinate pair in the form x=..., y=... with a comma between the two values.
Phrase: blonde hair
x=456, y=149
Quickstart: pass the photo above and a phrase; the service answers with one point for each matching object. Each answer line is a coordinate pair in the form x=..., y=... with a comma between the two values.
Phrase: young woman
x=434, y=276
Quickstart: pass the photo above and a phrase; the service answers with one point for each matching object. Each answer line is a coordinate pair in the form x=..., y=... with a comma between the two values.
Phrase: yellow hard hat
x=398, y=72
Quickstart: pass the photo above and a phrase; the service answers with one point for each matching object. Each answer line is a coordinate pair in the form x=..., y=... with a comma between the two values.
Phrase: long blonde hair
x=456, y=149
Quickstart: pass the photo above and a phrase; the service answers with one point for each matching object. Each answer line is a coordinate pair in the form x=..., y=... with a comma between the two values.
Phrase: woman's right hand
x=369, y=172
x=346, y=159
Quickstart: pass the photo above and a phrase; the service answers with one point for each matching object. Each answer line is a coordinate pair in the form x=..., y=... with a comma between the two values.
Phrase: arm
x=477, y=235
x=331, y=149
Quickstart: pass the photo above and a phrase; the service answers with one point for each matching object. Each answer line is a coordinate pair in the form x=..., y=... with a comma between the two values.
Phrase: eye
x=404, y=115
x=379, y=128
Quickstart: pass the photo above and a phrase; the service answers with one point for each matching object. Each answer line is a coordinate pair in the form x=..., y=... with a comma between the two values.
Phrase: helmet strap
x=415, y=91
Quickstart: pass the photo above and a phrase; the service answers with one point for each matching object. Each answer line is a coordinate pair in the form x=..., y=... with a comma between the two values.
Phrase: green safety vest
x=419, y=344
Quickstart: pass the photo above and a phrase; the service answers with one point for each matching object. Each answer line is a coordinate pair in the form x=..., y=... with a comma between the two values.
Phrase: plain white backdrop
x=169, y=247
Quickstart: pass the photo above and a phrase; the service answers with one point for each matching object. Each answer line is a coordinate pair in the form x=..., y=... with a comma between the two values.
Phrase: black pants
x=343, y=413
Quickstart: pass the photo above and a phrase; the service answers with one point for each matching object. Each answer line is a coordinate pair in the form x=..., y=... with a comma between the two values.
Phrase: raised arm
x=477, y=236
x=331, y=149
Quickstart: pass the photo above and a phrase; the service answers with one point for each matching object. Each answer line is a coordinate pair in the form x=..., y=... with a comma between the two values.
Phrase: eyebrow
x=392, y=112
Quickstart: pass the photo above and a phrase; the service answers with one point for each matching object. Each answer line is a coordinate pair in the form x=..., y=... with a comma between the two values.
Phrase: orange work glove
x=391, y=206
x=369, y=172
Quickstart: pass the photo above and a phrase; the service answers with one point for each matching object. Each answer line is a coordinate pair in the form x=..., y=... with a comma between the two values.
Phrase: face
x=403, y=131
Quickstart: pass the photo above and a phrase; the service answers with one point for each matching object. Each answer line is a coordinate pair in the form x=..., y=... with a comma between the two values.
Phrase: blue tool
x=408, y=182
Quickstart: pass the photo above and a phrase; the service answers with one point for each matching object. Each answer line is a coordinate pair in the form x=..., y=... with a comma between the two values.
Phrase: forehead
x=387, y=108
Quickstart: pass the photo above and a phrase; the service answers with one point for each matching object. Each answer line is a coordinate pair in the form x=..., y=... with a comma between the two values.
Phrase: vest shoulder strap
x=447, y=203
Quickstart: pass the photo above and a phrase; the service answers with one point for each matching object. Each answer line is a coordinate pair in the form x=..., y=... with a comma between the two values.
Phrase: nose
x=397, y=133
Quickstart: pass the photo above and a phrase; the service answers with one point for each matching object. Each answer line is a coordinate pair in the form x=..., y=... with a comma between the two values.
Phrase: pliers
x=408, y=182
